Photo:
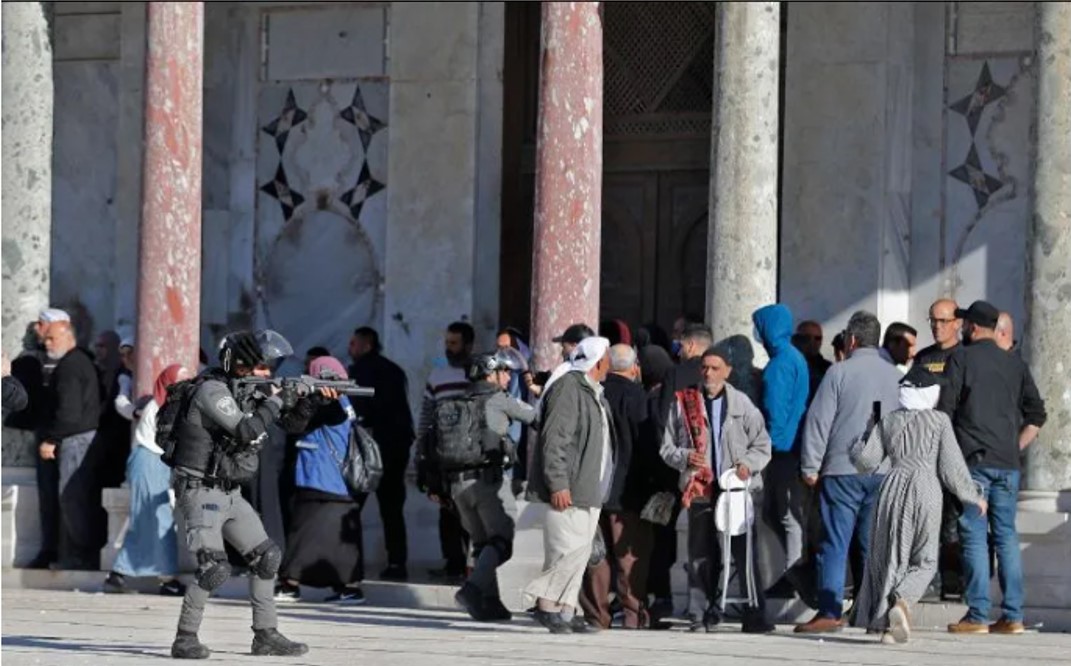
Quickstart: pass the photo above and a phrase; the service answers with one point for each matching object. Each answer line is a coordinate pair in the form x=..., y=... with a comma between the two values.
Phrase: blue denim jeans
x=1000, y=487
x=846, y=504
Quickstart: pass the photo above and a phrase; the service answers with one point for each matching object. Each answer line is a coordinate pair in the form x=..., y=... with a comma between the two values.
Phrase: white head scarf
x=918, y=398
x=588, y=353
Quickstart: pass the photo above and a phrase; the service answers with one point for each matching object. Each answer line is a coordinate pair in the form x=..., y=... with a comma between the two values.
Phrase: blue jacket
x=322, y=448
x=785, y=380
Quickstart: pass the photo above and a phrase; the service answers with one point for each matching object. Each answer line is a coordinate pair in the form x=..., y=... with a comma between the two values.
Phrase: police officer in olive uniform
x=216, y=447
x=481, y=495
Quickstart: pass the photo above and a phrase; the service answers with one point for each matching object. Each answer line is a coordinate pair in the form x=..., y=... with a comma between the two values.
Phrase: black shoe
x=470, y=598
x=581, y=626
x=711, y=619
x=287, y=592
x=270, y=643
x=172, y=588
x=496, y=610
x=347, y=596
x=115, y=584
x=186, y=646
x=42, y=560
x=447, y=575
x=553, y=622
x=394, y=572
x=755, y=623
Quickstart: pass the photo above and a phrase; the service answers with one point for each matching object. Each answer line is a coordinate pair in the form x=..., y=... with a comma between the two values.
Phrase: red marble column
x=169, y=256
x=568, y=197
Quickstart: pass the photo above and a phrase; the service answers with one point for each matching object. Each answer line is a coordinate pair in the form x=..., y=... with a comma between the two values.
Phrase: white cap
x=588, y=352
x=52, y=315
x=127, y=341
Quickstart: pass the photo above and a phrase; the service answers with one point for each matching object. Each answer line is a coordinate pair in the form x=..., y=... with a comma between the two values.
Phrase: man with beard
x=447, y=382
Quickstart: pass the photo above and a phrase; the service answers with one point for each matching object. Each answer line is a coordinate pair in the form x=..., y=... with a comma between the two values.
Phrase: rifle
x=304, y=385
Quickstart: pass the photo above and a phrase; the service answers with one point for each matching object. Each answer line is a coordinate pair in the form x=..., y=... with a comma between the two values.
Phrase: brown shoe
x=820, y=625
x=1003, y=626
x=966, y=626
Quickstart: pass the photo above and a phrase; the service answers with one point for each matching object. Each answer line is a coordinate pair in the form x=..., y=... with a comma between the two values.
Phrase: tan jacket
x=743, y=437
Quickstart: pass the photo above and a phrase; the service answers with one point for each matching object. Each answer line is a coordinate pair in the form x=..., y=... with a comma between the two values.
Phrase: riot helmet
x=484, y=364
x=248, y=349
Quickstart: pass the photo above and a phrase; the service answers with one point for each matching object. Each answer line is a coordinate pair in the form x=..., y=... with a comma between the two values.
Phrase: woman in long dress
x=150, y=547
x=324, y=544
x=921, y=450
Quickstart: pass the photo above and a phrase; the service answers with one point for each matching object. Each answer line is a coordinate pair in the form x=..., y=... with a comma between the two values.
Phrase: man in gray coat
x=853, y=396
x=572, y=470
x=734, y=438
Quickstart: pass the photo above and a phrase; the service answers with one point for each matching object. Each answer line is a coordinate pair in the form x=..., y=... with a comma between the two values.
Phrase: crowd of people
x=896, y=468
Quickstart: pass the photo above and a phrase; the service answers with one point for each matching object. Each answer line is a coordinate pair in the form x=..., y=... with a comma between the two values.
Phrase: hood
x=774, y=323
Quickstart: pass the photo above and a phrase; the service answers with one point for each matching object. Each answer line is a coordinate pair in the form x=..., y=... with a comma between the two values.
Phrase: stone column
x=568, y=196
x=169, y=249
x=27, y=158
x=742, y=242
x=1048, y=345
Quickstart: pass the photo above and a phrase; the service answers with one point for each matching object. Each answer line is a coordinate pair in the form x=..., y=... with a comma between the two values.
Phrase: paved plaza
x=49, y=628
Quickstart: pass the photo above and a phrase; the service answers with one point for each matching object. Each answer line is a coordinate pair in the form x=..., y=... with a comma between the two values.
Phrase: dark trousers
x=48, y=504
x=629, y=541
x=847, y=504
x=663, y=557
x=391, y=498
x=706, y=562
x=454, y=540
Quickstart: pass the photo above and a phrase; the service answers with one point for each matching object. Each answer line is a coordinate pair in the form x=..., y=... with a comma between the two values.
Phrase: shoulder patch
x=227, y=406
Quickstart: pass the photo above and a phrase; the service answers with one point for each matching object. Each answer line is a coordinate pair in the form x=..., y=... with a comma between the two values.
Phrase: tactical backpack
x=460, y=424
x=176, y=405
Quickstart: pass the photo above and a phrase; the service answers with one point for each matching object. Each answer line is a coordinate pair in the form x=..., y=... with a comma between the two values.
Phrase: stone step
x=428, y=596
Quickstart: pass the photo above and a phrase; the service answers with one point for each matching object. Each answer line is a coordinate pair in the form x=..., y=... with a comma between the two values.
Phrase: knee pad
x=264, y=560
x=213, y=569
x=504, y=547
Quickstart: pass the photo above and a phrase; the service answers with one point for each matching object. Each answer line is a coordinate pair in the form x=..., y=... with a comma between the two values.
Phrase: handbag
x=659, y=509
x=362, y=467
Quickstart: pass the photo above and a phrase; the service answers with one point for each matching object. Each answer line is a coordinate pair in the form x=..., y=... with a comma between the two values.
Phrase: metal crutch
x=727, y=553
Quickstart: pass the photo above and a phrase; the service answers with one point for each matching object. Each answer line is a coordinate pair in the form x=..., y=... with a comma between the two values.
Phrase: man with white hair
x=628, y=538
x=67, y=436
x=572, y=469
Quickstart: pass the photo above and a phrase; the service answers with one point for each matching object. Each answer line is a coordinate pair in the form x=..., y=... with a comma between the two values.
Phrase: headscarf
x=329, y=363
x=919, y=389
x=588, y=353
x=172, y=374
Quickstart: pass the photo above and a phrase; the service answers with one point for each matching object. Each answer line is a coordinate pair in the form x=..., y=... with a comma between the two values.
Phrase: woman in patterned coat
x=918, y=446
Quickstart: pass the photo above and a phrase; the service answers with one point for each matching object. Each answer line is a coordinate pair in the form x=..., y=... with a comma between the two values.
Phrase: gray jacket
x=569, y=455
x=743, y=437
x=841, y=409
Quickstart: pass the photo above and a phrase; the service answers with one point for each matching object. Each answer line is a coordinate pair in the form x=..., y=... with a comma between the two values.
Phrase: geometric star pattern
x=358, y=116
x=290, y=117
x=985, y=93
x=365, y=187
x=971, y=173
x=279, y=189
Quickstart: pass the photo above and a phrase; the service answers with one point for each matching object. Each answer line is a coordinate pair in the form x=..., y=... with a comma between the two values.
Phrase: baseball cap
x=574, y=334
x=52, y=315
x=981, y=313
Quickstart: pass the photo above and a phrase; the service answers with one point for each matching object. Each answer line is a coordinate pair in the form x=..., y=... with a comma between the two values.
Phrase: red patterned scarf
x=701, y=482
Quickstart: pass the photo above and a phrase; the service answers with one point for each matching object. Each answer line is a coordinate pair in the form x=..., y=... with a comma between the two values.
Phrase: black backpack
x=460, y=423
x=177, y=403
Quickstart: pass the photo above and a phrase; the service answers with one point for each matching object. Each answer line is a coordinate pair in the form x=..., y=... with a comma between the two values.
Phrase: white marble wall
x=874, y=216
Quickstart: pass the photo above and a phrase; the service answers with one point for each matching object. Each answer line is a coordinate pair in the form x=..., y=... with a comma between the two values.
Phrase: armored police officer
x=477, y=488
x=215, y=445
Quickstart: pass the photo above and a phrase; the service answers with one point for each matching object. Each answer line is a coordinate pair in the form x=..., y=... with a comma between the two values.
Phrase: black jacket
x=634, y=462
x=14, y=396
x=387, y=414
x=990, y=396
x=74, y=391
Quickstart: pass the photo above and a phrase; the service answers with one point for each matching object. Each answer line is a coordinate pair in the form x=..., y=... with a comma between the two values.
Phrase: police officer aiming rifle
x=213, y=444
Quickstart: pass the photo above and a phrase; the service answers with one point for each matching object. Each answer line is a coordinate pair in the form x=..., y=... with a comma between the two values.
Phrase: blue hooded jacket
x=322, y=449
x=785, y=380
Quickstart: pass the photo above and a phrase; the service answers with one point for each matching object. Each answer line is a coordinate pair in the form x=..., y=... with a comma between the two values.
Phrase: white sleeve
x=145, y=430
x=123, y=404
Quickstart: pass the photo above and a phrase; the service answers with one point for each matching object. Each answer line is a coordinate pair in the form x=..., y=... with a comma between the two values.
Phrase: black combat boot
x=496, y=610
x=470, y=598
x=270, y=643
x=186, y=646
